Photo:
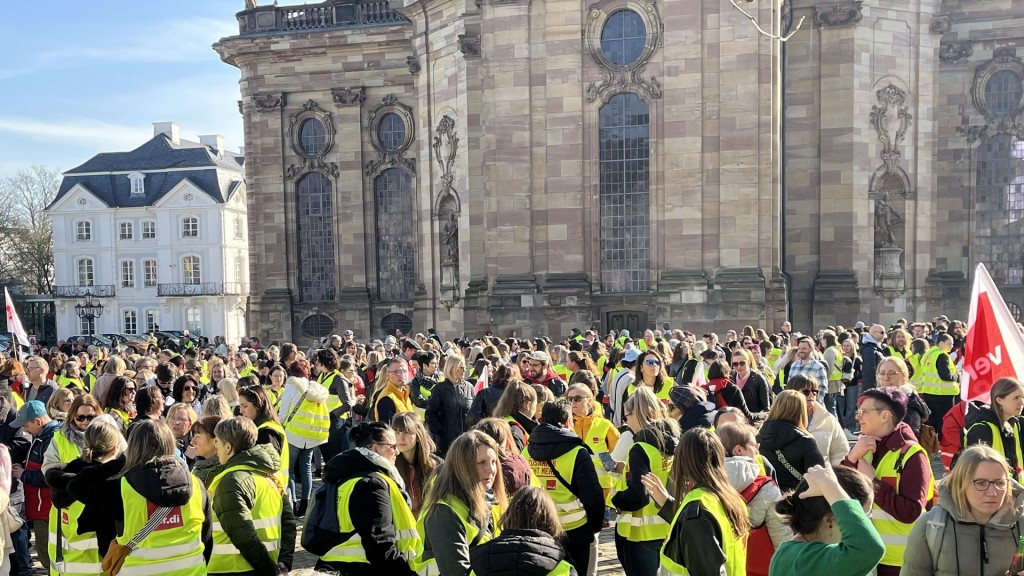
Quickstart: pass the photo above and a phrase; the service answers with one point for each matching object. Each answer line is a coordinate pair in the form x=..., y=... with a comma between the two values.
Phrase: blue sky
x=80, y=78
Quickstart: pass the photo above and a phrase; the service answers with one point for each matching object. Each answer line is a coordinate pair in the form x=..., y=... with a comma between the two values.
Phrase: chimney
x=214, y=141
x=171, y=129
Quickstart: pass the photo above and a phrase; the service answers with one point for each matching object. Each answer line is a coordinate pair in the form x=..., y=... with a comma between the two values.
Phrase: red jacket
x=37, y=492
x=953, y=433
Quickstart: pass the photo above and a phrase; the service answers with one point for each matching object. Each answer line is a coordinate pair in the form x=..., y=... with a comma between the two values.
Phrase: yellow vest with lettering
x=407, y=538
x=81, y=551
x=931, y=383
x=175, y=548
x=735, y=548
x=266, y=518
x=571, y=513
x=894, y=533
x=644, y=525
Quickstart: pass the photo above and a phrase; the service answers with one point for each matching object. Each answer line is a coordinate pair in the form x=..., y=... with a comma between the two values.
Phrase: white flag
x=14, y=325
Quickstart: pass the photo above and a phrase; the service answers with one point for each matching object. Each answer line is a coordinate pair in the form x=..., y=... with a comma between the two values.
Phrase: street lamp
x=89, y=312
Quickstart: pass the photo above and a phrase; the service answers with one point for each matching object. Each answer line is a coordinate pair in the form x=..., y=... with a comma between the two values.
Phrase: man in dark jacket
x=36, y=385
x=871, y=355
x=541, y=373
x=551, y=444
x=32, y=418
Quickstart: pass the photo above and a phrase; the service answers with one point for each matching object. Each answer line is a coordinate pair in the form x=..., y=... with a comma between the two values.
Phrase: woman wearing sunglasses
x=827, y=432
x=68, y=441
x=120, y=400
x=754, y=386
x=596, y=431
x=650, y=372
x=723, y=391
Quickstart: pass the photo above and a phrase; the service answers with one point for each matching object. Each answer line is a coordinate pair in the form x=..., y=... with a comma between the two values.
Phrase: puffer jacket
x=967, y=548
x=296, y=390
x=37, y=492
x=447, y=412
x=790, y=450
x=978, y=424
x=233, y=502
x=518, y=553
x=700, y=415
x=485, y=402
x=761, y=509
x=79, y=481
x=663, y=437
x=548, y=443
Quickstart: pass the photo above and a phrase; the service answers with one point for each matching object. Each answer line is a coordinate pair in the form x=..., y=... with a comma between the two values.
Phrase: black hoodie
x=982, y=433
x=547, y=443
x=370, y=508
x=79, y=481
x=700, y=415
x=517, y=553
x=164, y=482
x=663, y=436
x=797, y=447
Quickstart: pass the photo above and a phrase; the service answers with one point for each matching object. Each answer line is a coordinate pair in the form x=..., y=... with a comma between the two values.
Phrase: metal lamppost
x=89, y=312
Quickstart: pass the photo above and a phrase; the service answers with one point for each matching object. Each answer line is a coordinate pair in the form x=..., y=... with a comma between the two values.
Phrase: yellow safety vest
x=997, y=445
x=121, y=415
x=563, y=372
x=175, y=548
x=914, y=362
x=309, y=422
x=66, y=382
x=407, y=538
x=81, y=551
x=894, y=533
x=571, y=513
x=894, y=353
x=930, y=381
x=563, y=568
x=597, y=439
x=266, y=518
x=401, y=405
x=247, y=370
x=836, y=372
x=735, y=548
x=644, y=525
x=333, y=400
x=282, y=473
x=274, y=395
x=425, y=566
x=66, y=449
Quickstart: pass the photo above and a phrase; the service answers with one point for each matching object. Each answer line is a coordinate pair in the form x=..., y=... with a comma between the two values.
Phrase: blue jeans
x=638, y=558
x=21, y=560
x=848, y=408
x=832, y=402
x=301, y=471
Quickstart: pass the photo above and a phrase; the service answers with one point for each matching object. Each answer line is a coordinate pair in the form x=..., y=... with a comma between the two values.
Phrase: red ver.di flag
x=994, y=348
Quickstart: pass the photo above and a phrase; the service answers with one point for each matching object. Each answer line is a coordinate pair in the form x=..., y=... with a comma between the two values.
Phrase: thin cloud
x=101, y=136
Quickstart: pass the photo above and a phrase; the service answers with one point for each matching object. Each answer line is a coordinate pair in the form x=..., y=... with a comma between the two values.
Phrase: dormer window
x=138, y=181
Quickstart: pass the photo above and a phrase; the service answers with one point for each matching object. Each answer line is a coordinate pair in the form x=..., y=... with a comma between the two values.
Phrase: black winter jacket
x=485, y=403
x=978, y=432
x=447, y=414
x=80, y=481
x=547, y=443
x=797, y=447
x=659, y=435
x=518, y=553
x=757, y=393
x=370, y=508
x=700, y=415
x=420, y=383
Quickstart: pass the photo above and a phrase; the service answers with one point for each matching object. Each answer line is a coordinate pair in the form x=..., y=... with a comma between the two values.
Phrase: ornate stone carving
x=267, y=102
x=616, y=81
x=1004, y=60
x=413, y=63
x=891, y=98
x=886, y=220
x=240, y=107
x=311, y=162
x=838, y=15
x=396, y=157
x=446, y=148
x=939, y=24
x=954, y=52
x=973, y=133
x=294, y=171
x=786, y=18
x=349, y=96
x=469, y=45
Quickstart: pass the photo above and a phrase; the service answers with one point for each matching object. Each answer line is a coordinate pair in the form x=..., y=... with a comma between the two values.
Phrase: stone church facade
x=537, y=166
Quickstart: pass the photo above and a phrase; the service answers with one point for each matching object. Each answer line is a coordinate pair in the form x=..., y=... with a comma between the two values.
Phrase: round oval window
x=1003, y=93
x=317, y=325
x=623, y=37
x=312, y=136
x=393, y=322
x=391, y=131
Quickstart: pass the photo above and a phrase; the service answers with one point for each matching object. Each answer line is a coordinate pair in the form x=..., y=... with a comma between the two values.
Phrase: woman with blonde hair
x=999, y=425
x=639, y=531
x=530, y=538
x=227, y=388
x=597, y=432
x=785, y=442
x=462, y=507
x=416, y=461
x=216, y=405
x=518, y=407
x=447, y=412
x=514, y=468
x=977, y=524
x=59, y=403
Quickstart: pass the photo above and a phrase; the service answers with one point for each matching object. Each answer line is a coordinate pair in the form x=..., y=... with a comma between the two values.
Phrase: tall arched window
x=191, y=271
x=86, y=277
x=316, y=239
x=396, y=262
x=999, y=212
x=625, y=194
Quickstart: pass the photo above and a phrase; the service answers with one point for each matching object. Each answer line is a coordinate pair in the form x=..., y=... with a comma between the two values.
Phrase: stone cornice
x=838, y=14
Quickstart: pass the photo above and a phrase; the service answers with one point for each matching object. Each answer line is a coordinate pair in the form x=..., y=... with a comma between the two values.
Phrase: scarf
x=76, y=436
x=387, y=465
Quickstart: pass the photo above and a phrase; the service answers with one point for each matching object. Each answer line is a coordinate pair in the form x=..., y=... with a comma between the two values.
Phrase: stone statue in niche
x=450, y=237
x=886, y=220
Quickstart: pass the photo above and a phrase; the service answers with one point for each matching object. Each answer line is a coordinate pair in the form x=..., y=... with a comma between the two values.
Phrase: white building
x=157, y=235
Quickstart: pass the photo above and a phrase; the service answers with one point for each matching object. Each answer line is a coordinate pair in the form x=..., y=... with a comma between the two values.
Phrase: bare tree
x=26, y=232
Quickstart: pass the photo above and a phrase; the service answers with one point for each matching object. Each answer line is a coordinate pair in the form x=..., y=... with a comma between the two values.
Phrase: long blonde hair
x=457, y=478
x=790, y=406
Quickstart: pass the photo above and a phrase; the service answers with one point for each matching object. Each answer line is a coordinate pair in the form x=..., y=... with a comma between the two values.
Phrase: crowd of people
x=781, y=454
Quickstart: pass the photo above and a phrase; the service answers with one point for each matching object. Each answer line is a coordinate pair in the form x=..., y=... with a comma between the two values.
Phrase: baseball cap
x=631, y=355
x=859, y=325
x=347, y=333
x=29, y=411
x=624, y=333
x=540, y=356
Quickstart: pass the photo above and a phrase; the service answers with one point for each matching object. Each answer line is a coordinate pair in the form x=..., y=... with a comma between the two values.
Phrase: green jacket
x=207, y=469
x=233, y=502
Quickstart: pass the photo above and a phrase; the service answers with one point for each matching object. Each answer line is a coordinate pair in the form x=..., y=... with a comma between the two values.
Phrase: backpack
x=322, y=532
x=760, y=548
